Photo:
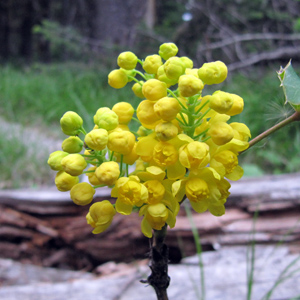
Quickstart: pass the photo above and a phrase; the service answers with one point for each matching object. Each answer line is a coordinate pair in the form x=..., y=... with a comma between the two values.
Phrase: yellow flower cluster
x=185, y=147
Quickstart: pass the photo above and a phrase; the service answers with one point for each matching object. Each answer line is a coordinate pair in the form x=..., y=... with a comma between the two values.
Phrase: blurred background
x=55, y=56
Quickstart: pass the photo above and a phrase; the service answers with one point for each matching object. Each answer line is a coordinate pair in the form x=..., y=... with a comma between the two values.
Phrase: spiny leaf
x=290, y=83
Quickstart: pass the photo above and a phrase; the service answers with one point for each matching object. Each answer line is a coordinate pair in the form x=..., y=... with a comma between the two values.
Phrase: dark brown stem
x=159, y=278
x=294, y=117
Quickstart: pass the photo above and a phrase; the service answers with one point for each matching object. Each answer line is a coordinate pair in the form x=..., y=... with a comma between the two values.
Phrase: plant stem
x=159, y=278
x=294, y=117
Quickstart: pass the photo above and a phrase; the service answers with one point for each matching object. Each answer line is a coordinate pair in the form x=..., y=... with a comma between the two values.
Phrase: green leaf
x=290, y=83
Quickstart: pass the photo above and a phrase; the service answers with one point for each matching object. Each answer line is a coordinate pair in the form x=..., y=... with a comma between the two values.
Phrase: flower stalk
x=159, y=278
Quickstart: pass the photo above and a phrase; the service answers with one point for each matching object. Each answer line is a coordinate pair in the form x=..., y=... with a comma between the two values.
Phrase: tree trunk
x=116, y=21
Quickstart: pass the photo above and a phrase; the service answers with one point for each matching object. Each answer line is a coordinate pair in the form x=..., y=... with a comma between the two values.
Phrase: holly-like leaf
x=290, y=83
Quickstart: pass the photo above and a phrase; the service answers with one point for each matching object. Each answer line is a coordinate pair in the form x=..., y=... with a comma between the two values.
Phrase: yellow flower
x=127, y=60
x=129, y=192
x=226, y=164
x=55, y=158
x=100, y=216
x=196, y=189
x=152, y=63
x=167, y=50
x=213, y=72
x=64, y=181
x=189, y=85
x=241, y=131
x=221, y=133
x=97, y=139
x=117, y=78
x=108, y=173
x=205, y=189
x=72, y=144
x=165, y=154
x=156, y=191
x=194, y=155
x=167, y=108
x=154, y=89
x=146, y=114
x=82, y=193
x=155, y=217
x=71, y=123
x=137, y=89
x=121, y=142
x=73, y=164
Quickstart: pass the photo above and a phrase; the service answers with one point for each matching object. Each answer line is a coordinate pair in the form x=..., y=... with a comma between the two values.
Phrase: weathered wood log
x=48, y=229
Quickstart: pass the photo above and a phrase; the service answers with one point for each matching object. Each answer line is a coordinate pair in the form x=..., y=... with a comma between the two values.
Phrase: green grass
x=44, y=93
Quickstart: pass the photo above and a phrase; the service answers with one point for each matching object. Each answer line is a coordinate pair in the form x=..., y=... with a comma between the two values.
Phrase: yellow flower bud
x=146, y=114
x=161, y=75
x=193, y=72
x=71, y=123
x=167, y=50
x=165, y=154
x=130, y=158
x=156, y=191
x=100, y=216
x=55, y=158
x=221, y=133
x=174, y=68
x=196, y=189
x=82, y=193
x=92, y=176
x=64, y=181
x=166, y=131
x=108, y=120
x=97, y=139
x=72, y=144
x=187, y=62
x=213, y=72
x=108, y=173
x=152, y=63
x=117, y=78
x=167, y=108
x=221, y=102
x=121, y=142
x=98, y=115
x=237, y=106
x=189, y=85
x=137, y=89
x=124, y=110
x=127, y=60
x=73, y=164
x=194, y=155
x=154, y=89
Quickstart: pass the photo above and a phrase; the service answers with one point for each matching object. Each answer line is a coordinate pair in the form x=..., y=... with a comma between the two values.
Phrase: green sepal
x=290, y=82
